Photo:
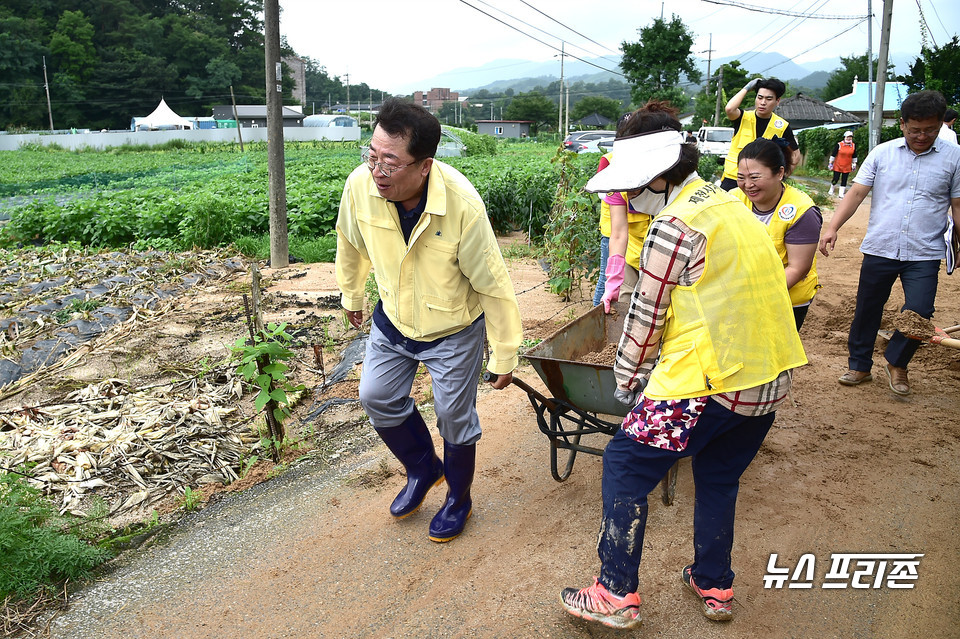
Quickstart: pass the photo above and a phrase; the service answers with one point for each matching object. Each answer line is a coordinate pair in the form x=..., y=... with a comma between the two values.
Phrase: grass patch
x=309, y=250
x=75, y=306
x=519, y=251
x=40, y=548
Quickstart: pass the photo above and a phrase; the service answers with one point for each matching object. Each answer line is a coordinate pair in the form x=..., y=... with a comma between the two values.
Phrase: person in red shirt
x=843, y=160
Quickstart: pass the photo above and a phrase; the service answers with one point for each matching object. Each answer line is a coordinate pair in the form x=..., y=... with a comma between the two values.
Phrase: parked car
x=570, y=142
x=590, y=143
x=715, y=140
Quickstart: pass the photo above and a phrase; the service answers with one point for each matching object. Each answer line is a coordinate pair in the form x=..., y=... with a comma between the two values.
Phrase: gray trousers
x=454, y=366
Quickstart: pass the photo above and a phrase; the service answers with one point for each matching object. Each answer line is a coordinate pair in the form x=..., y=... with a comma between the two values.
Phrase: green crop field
x=201, y=196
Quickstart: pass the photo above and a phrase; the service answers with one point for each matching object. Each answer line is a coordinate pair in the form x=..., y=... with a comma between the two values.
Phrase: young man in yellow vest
x=761, y=122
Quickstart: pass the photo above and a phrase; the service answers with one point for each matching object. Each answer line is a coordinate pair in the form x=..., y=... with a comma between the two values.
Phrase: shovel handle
x=946, y=341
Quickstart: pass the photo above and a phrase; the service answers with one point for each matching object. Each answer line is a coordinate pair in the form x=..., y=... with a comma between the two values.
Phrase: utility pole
x=347, y=76
x=47, y=87
x=279, y=249
x=870, y=142
x=236, y=118
x=716, y=113
x=709, y=53
x=566, y=114
x=877, y=115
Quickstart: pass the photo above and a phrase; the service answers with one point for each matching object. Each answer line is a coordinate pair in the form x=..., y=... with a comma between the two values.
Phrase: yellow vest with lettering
x=732, y=329
x=637, y=223
x=792, y=206
x=746, y=134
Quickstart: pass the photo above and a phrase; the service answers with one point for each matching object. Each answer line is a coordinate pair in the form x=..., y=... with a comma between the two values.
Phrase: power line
x=793, y=23
x=936, y=13
x=569, y=28
x=820, y=44
x=541, y=41
x=521, y=21
x=782, y=12
x=775, y=33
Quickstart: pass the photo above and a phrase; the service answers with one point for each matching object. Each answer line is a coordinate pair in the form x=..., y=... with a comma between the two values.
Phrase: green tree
x=937, y=68
x=595, y=104
x=72, y=45
x=532, y=106
x=840, y=81
x=655, y=63
x=705, y=103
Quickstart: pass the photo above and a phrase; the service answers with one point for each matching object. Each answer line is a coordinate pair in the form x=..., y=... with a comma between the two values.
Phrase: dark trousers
x=840, y=177
x=722, y=445
x=877, y=276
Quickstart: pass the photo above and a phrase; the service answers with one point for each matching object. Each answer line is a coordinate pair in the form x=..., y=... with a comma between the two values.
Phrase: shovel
x=920, y=328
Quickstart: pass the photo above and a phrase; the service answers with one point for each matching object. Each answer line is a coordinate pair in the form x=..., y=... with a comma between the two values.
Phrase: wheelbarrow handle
x=489, y=377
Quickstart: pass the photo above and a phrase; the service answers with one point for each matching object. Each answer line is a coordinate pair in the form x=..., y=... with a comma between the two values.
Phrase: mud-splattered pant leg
x=722, y=444
x=630, y=471
x=717, y=468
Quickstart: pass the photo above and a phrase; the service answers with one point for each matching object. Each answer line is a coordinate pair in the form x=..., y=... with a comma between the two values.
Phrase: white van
x=715, y=140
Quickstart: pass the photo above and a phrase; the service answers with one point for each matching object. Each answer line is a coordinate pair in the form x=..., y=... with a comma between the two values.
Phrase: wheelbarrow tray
x=584, y=385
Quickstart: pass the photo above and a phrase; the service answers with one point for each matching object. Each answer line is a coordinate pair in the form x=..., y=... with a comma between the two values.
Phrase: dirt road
x=315, y=553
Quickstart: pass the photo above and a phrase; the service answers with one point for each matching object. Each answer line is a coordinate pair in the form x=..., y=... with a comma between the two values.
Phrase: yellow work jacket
x=733, y=328
x=746, y=134
x=449, y=273
x=793, y=205
x=637, y=225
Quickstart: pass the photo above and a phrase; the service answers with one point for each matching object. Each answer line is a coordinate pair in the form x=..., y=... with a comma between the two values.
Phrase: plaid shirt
x=674, y=255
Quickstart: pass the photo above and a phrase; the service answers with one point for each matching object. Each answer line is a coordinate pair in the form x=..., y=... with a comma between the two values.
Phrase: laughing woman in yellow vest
x=792, y=219
x=704, y=361
x=761, y=122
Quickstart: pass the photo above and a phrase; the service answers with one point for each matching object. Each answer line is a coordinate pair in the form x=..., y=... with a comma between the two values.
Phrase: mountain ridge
x=503, y=73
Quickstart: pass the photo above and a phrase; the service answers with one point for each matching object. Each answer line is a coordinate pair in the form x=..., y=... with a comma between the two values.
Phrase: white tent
x=162, y=118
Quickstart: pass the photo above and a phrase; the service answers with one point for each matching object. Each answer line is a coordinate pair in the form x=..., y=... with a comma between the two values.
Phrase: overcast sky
x=392, y=45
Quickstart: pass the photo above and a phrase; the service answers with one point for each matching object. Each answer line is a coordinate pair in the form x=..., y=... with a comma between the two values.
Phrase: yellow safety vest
x=638, y=223
x=733, y=328
x=792, y=206
x=746, y=134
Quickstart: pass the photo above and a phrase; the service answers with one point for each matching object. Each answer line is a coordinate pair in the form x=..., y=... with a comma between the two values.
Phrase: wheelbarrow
x=582, y=401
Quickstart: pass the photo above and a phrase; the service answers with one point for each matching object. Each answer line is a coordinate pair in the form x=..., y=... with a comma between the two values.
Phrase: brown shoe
x=899, y=383
x=855, y=378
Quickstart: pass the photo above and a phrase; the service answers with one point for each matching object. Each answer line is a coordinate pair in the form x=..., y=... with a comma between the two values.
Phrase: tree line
x=109, y=60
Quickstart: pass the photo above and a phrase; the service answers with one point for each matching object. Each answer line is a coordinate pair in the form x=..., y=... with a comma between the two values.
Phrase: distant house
x=858, y=102
x=255, y=115
x=594, y=120
x=435, y=98
x=804, y=112
x=505, y=128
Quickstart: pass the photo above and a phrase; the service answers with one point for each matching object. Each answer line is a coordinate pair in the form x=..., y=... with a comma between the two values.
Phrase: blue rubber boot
x=412, y=445
x=458, y=466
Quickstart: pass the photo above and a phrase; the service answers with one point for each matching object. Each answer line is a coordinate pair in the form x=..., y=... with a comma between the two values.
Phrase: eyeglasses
x=914, y=132
x=386, y=169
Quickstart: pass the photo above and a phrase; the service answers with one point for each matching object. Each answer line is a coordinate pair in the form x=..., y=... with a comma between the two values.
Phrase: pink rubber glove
x=614, y=273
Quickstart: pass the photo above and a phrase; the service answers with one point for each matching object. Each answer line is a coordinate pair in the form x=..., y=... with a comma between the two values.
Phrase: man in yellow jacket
x=443, y=286
x=761, y=122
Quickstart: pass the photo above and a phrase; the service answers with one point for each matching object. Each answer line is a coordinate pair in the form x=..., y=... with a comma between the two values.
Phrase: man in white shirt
x=946, y=129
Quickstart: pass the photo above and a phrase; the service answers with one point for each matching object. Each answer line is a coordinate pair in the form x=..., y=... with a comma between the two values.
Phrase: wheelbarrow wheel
x=668, y=486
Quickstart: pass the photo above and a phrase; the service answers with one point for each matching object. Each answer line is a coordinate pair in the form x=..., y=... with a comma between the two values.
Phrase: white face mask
x=649, y=201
